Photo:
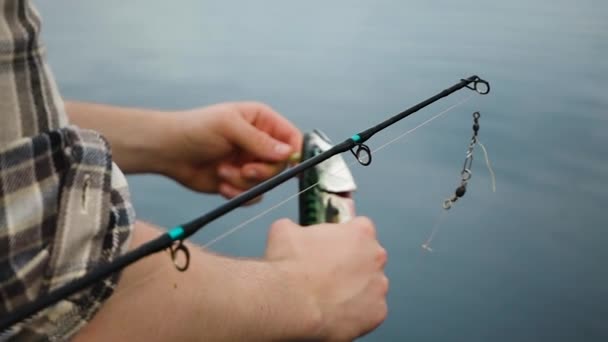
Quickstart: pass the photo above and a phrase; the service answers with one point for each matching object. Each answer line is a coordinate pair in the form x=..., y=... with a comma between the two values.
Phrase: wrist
x=249, y=300
x=307, y=318
x=146, y=148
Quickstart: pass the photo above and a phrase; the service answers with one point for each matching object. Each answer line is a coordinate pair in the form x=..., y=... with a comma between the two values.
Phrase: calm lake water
x=527, y=263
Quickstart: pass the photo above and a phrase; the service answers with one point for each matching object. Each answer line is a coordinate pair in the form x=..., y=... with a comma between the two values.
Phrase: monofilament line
x=427, y=244
x=492, y=175
x=433, y=118
x=254, y=218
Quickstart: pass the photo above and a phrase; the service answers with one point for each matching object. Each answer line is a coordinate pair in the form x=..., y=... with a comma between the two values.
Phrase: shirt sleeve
x=64, y=209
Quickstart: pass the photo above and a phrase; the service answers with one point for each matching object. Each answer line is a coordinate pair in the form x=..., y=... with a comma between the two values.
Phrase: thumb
x=257, y=142
x=280, y=236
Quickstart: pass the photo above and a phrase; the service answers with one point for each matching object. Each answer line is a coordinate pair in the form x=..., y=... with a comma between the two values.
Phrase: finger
x=255, y=200
x=271, y=122
x=229, y=192
x=278, y=244
x=384, y=284
x=281, y=227
x=261, y=171
x=256, y=141
x=365, y=226
x=381, y=257
x=232, y=175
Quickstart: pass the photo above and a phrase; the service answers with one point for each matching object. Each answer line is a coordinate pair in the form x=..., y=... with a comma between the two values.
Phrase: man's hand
x=225, y=148
x=228, y=148
x=340, y=268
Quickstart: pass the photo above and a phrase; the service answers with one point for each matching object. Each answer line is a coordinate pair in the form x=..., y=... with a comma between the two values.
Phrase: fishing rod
x=174, y=237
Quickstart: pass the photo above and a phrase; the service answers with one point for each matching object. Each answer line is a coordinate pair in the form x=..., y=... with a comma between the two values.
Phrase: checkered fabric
x=64, y=206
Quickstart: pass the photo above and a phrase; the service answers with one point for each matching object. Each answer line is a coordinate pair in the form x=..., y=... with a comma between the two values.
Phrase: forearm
x=136, y=135
x=216, y=299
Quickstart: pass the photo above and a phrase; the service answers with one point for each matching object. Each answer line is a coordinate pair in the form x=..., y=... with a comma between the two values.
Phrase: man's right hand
x=339, y=268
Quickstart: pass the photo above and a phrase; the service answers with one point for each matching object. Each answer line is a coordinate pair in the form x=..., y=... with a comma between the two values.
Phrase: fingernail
x=251, y=173
x=282, y=148
x=226, y=191
x=225, y=172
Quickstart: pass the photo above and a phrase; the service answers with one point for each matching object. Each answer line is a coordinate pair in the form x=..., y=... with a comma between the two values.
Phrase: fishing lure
x=465, y=176
x=173, y=239
x=326, y=190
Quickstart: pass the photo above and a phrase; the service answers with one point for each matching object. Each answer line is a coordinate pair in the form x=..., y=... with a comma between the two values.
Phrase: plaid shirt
x=64, y=206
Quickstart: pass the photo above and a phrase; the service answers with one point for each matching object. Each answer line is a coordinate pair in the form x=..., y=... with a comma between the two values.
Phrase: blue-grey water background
x=527, y=263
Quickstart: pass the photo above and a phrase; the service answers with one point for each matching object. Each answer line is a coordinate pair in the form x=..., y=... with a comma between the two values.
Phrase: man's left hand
x=228, y=148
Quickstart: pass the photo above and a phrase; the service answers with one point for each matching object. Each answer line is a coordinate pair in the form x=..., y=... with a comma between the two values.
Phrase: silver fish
x=329, y=186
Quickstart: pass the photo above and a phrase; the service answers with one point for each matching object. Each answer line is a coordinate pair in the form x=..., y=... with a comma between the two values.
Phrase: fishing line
x=436, y=116
x=336, y=174
x=427, y=244
x=256, y=217
x=492, y=175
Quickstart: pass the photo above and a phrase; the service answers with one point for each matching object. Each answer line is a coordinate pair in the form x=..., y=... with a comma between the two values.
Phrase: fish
x=327, y=189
